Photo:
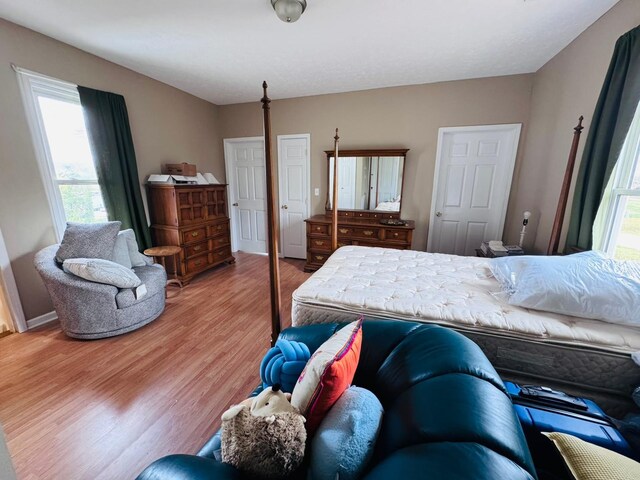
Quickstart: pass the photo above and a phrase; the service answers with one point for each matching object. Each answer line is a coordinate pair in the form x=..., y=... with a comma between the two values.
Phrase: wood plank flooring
x=104, y=409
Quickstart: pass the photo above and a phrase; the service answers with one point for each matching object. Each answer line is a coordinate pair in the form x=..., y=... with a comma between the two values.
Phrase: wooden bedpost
x=554, y=241
x=272, y=221
x=334, y=211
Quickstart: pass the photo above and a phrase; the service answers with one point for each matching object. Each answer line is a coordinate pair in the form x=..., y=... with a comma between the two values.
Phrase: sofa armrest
x=69, y=288
x=189, y=467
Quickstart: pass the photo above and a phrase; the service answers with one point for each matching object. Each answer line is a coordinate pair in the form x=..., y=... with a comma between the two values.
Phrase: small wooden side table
x=160, y=253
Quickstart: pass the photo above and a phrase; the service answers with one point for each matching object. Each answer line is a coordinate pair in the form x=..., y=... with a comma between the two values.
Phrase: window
x=62, y=147
x=617, y=228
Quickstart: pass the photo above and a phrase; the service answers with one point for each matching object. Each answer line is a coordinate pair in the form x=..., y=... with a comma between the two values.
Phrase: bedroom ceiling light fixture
x=289, y=11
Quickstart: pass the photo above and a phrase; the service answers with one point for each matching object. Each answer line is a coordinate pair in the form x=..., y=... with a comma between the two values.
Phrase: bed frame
x=272, y=218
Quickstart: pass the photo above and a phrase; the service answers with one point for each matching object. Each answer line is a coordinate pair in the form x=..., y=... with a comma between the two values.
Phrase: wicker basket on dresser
x=354, y=228
x=193, y=217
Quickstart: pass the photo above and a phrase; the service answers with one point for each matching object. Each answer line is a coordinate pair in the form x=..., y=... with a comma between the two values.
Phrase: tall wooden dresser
x=193, y=217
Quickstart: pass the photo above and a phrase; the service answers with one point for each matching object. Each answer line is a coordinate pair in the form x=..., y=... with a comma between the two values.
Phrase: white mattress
x=444, y=289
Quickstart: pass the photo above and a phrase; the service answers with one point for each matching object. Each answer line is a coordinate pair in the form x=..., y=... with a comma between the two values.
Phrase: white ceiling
x=221, y=50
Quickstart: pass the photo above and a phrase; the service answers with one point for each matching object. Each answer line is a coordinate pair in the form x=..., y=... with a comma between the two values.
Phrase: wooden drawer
x=396, y=234
x=194, y=235
x=197, y=249
x=217, y=229
x=197, y=264
x=218, y=242
x=345, y=231
x=220, y=254
x=358, y=232
x=318, y=228
x=319, y=244
x=364, y=232
x=317, y=258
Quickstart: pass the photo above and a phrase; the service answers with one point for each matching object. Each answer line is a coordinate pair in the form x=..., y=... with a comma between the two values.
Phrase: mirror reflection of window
x=368, y=183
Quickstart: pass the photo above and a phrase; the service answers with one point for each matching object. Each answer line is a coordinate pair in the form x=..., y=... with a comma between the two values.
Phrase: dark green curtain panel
x=112, y=147
x=612, y=118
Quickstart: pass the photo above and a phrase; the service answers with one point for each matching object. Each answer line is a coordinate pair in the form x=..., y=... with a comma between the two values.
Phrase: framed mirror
x=368, y=181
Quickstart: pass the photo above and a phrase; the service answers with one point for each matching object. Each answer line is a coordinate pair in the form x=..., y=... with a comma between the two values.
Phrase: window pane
x=83, y=203
x=67, y=139
x=628, y=238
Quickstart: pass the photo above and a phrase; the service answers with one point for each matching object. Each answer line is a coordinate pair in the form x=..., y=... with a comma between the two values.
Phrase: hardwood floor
x=104, y=409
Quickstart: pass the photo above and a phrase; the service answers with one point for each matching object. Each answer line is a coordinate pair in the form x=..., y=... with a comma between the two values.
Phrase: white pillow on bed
x=507, y=270
x=584, y=285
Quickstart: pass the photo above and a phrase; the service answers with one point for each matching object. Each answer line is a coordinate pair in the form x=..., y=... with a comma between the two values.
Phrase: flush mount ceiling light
x=289, y=10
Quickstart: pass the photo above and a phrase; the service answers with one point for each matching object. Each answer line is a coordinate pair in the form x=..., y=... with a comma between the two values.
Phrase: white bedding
x=388, y=207
x=444, y=289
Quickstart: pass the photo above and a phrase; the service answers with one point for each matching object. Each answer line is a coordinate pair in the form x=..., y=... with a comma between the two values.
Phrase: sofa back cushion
x=121, y=251
x=438, y=389
x=88, y=240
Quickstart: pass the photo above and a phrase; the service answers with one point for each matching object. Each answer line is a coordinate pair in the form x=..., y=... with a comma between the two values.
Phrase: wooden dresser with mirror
x=369, y=193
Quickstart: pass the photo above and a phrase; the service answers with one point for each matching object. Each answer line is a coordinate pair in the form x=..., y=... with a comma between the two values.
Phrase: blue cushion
x=344, y=442
x=283, y=364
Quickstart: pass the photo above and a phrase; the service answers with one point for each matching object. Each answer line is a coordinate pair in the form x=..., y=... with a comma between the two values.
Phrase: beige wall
x=402, y=117
x=167, y=124
x=565, y=88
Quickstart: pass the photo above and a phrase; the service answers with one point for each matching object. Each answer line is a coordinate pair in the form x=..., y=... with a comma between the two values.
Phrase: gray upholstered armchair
x=94, y=310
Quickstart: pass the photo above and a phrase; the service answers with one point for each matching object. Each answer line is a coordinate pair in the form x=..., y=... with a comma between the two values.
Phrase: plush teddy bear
x=264, y=436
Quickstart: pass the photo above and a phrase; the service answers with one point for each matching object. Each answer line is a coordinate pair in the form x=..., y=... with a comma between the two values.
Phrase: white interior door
x=347, y=183
x=294, y=181
x=474, y=168
x=244, y=160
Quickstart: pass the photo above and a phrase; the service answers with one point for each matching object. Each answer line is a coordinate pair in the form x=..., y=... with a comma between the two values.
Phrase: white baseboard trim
x=41, y=320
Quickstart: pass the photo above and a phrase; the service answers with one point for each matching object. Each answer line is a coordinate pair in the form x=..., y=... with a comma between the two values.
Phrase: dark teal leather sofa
x=447, y=413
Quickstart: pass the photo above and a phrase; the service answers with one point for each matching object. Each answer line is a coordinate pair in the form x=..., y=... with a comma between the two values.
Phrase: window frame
x=620, y=188
x=32, y=85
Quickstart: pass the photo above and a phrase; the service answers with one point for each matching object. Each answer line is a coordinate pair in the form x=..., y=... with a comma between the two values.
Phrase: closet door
x=474, y=167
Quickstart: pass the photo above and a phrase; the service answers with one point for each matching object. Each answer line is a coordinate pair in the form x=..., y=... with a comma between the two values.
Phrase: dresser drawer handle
x=368, y=233
x=198, y=263
x=343, y=230
x=319, y=257
x=219, y=227
x=195, y=234
x=395, y=234
x=318, y=229
x=221, y=254
x=319, y=243
x=197, y=248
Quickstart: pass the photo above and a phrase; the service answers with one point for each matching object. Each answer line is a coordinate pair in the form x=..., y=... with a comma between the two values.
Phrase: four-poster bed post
x=272, y=221
x=554, y=241
x=334, y=210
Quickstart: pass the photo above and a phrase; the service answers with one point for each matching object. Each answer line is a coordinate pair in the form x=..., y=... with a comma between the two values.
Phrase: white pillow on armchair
x=102, y=271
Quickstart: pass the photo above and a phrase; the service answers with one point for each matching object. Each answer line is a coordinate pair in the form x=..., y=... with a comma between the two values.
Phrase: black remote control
x=552, y=397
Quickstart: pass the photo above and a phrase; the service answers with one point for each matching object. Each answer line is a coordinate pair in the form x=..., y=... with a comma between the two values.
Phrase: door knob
x=235, y=204
x=438, y=214
x=285, y=207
